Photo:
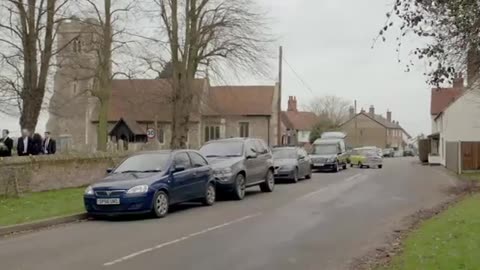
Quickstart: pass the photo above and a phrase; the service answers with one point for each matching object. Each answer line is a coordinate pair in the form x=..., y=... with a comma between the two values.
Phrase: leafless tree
x=333, y=108
x=101, y=17
x=27, y=34
x=213, y=33
x=449, y=28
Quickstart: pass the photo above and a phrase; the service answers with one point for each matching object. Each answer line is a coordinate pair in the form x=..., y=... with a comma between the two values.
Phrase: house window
x=77, y=45
x=244, y=130
x=75, y=87
x=161, y=136
x=212, y=133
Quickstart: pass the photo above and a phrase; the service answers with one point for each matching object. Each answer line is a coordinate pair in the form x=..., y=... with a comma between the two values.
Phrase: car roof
x=169, y=151
x=285, y=147
x=327, y=141
x=236, y=139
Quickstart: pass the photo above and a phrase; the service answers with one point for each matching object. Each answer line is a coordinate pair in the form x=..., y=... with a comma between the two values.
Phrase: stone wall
x=41, y=173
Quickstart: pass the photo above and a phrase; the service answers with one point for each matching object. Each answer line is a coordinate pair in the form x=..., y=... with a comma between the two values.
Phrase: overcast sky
x=328, y=43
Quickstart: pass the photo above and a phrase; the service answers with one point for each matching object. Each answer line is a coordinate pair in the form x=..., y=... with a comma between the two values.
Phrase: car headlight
x=332, y=159
x=222, y=173
x=89, y=190
x=138, y=189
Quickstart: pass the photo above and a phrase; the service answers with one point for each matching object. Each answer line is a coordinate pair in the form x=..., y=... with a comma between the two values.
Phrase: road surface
x=320, y=223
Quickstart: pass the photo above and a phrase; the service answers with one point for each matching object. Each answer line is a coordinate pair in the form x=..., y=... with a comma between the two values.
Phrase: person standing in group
x=24, y=144
x=37, y=142
x=6, y=144
x=49, y=144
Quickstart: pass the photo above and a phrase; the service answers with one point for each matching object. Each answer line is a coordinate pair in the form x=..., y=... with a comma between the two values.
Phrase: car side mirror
x=251, y=154
x=301, y=157
x=339, y=153
x=178, y=168
x=109, y=170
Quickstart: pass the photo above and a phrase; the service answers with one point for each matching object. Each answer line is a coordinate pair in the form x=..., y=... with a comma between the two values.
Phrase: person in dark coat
x=37, y=143
x=6, y=144
x=49, y=146
x=24, y=144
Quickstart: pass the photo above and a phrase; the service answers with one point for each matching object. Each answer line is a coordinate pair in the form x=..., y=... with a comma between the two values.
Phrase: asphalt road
x=320, y=223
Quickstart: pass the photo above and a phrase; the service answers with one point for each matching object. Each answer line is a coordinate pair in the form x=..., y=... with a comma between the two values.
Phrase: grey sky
x=328, y=43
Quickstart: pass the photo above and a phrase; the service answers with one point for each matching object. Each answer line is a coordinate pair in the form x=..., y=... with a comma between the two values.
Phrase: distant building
x=140, y=104
x=371, y=129
x=297, y=125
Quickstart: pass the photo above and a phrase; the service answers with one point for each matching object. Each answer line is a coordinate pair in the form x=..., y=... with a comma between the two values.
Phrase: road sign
x=150, y=133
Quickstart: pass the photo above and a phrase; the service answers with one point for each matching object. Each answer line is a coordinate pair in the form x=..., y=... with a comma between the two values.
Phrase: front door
x=202, y=173
x=183, y=181
x=251, y=163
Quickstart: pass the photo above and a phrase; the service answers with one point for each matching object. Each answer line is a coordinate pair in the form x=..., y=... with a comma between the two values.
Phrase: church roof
x=147, y=100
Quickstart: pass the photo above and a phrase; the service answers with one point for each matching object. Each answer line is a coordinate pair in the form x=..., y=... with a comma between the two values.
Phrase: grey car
x=291, y=163
x=239, y=163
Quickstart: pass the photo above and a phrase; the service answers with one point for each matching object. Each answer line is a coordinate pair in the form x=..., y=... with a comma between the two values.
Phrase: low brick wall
x=41, y=173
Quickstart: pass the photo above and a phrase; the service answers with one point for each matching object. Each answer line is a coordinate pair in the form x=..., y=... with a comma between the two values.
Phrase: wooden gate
x=470, y=156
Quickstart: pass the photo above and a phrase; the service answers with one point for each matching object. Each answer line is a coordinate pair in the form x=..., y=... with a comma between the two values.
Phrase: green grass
x=473, y=176
x=450, y=241
x=40, y=205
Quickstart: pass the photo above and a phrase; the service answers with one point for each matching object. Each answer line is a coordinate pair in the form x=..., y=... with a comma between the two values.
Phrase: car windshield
x=222, y=149
x=144, y=163
x=284, y=153
x=325, y=149
x=368, y=152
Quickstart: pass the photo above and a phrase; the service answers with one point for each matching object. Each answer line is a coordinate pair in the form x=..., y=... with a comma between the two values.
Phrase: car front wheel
x=160, y=204
x=239, y=188
x=269, y=183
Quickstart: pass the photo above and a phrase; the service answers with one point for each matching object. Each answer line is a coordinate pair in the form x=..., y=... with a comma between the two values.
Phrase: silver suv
x=239, y=163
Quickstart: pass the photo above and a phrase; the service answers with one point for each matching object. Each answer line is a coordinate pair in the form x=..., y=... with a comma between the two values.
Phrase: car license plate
x=319, y=164
x=113, y=201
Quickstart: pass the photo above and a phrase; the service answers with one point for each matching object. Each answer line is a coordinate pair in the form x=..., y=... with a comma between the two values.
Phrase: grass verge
x=40, y=205
x=448, y=241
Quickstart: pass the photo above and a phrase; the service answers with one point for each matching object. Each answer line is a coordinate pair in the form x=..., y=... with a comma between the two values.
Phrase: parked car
x=291, y=163
x=239, y=163
x=151, y=182
x=329, y=154
x=388, y=152
x=408, y=153
x=365, y=157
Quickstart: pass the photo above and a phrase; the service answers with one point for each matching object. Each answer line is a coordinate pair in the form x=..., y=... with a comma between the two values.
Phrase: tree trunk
x=181, y=114
x=102, y=132
x=31, y=107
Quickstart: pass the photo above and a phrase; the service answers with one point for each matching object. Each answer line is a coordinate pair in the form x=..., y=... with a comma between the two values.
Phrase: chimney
x=371, y=111
x=458, y=81
x=292, y=104
x=389, y=116
x=352, y=111
x=473, y=64
x=362, y=110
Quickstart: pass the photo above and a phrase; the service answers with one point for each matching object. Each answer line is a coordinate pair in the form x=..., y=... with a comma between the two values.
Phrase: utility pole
x=280, y=66
x=356, y=131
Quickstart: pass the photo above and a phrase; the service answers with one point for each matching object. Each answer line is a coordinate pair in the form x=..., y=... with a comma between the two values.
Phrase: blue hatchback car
x=150, y=182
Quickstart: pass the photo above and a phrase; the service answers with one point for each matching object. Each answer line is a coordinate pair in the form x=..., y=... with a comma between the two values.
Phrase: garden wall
x=41, y=173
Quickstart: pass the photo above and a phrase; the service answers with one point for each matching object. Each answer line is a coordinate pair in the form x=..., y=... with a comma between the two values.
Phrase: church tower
x=72, y=107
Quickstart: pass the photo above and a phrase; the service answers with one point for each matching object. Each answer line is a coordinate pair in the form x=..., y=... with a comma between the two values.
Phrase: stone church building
x=137, y=105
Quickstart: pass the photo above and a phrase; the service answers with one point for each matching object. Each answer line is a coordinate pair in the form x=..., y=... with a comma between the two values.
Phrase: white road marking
x=162, y=245
x=351, y=178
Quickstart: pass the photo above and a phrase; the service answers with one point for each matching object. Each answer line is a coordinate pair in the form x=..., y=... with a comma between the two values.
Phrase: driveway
x=320, y=223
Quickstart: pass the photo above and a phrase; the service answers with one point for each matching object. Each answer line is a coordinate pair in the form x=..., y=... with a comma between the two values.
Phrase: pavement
x=322, y=223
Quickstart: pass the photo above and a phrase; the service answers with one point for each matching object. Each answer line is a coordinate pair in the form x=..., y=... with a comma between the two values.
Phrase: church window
x=161, y=136
x=75, y=87
x=77, y=45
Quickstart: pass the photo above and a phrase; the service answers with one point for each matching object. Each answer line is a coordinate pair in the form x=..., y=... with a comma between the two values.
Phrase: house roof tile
x=240, y=100
x=299, y=120
x=442, y=97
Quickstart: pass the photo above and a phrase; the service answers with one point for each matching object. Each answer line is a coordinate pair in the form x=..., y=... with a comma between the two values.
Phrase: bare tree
x=27, y=33
x=208, y=32
x=333, y=108
x=449, y=28
x=101, y=19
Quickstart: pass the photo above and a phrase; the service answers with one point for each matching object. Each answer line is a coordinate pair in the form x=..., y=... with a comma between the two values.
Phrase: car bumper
x=284, y=174
x=225, y=184
x=326, y=166
x=372, y=163
x=130, y=204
